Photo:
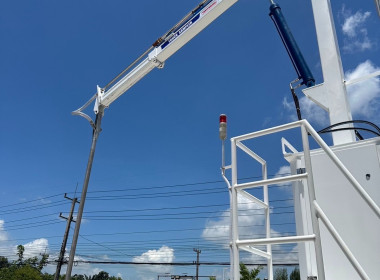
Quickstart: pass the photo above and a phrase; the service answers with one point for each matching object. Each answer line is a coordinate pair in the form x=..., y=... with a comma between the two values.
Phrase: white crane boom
x=199, y=19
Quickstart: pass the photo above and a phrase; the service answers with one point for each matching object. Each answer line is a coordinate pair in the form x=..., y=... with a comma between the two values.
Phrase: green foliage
x=281, y=274
x=30, y=269
x=246, y=274
x=102, y=275
x=3, y=262
x=212, y=278
x=295, y=274
x=43, y=261
x=27, y=272
x=47, y=276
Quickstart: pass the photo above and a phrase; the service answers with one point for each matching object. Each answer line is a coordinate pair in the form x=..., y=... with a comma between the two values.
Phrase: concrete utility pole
x=63, y=247
x=197, y=263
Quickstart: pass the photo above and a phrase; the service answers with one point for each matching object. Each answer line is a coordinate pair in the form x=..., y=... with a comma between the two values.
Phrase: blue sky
x=159, y=151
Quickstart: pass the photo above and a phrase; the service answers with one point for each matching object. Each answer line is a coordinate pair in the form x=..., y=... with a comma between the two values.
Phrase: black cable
x=349, y=128
x=32, y=208
x=296, y=103
x=354, y=121
x=117, y=190
x=33, y=200
x=178, y=263
x=329, y=128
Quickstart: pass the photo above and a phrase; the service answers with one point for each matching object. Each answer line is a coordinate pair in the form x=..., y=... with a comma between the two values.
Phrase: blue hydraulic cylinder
x=291, y=46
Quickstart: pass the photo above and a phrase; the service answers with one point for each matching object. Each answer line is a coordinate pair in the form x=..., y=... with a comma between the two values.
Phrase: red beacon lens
x=223, y=118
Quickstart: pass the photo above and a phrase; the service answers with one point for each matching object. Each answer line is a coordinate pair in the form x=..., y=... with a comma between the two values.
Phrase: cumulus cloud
x=309, y=110
x=364, y=96
x=356, y=34
x=163, y=255
x=36, y=247
x=251, y=223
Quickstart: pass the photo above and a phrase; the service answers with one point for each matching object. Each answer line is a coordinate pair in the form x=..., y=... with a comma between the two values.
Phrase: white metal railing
x=317, y=213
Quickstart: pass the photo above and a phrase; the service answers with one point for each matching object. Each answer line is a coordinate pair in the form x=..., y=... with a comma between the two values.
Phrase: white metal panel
x=354, y=220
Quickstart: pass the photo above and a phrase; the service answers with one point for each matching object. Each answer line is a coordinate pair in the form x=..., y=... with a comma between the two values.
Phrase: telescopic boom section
x=166, y=46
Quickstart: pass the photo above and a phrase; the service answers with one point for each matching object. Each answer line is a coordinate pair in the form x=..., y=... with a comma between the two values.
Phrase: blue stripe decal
x=182, y=29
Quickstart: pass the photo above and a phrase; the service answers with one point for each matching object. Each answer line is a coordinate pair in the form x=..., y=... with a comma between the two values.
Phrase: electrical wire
x=330, y=128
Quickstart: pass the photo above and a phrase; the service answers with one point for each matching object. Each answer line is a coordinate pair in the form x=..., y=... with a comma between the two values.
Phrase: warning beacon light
x=223, y=127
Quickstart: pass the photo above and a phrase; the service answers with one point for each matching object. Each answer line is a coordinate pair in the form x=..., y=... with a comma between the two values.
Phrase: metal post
x=66, y=235
x=235, y=270
x=197, y=269
x=267, y=222
x=312, y=198
x=95, y=134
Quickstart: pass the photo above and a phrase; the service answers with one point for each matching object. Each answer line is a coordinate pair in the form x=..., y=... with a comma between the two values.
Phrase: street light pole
x=95, y=134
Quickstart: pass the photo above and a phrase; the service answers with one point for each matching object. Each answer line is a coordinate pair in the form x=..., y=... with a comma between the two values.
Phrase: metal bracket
x=158, y=63
x=95, y=97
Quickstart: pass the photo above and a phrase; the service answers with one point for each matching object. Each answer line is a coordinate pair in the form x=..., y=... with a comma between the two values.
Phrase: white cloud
x=83, y=268
x=355, y=31
x=364, y=97
x=309, y=110
x=36, y=247
x=250, y=222
x=3, y=233
x=163, y=255
x=353, y=22
x=282, y=172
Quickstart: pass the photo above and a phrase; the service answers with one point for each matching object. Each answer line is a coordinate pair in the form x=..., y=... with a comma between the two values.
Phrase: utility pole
x=63, y=247
x=197, y=263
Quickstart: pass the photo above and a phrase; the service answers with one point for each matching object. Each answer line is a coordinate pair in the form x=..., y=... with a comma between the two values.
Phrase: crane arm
x=165, y=47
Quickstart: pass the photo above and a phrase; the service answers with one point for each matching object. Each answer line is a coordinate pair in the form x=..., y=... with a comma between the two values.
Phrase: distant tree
x=102, y=275
x=245, y=274
x=212, y=278
x=281, y=274
x=20, y=254
x=43, y=261
x=79, y=277
x=295, y=274
x=31, y=261
x=3, y=262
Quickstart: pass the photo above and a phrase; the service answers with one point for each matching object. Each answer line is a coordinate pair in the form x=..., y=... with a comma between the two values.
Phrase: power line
x=179, y=263
x=33, y=200
x=128, y=189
